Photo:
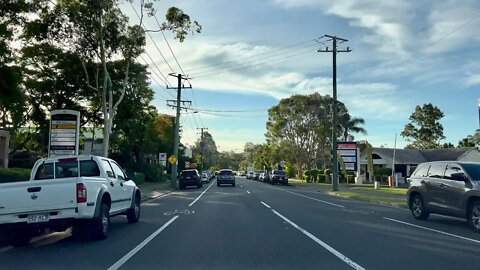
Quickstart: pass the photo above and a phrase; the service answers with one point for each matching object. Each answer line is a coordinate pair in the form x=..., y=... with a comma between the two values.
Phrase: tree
x=424, y=129
x=302, y=123
x=470, y=140
x=100, y=32
x=350, y=124
x=206, y=151
x=448, y=145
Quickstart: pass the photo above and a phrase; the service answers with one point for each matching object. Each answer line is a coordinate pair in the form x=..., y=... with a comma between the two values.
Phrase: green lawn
x=396, y=191
x=370, y=198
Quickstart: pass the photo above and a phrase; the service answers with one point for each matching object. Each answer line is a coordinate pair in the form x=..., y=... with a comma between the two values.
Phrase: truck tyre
x=100, y=224
x=21, y=237
x=133, y=214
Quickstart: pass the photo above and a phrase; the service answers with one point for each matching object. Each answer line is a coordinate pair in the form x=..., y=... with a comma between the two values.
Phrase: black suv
x=279, y=176
x=448, y=188
x=226, y=176
x=189, y=178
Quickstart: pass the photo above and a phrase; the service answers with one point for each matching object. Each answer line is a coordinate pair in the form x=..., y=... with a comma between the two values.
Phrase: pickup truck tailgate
x=38, y=196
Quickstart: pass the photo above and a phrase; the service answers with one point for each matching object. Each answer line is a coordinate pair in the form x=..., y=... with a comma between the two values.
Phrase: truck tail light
x=81, y=193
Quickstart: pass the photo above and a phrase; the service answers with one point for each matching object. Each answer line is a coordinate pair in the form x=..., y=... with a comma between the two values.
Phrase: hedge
x=139, y=178
x=14, y=175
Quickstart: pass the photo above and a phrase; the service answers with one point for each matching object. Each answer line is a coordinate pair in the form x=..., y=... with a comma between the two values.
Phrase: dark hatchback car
x=279, y=176
x=189, y=178
x=226, y=176
x=448, y=188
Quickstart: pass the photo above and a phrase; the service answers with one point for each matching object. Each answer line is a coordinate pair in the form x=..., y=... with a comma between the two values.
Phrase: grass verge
x=396, y=191
x=370, y=198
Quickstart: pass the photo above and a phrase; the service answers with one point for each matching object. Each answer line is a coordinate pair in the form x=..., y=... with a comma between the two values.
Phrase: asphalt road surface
x=259, y=226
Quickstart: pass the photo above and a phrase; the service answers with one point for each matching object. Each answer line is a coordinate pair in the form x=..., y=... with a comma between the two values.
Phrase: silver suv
x=447, y=188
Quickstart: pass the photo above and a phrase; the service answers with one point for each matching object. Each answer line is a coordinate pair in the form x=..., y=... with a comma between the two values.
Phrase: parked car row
x=273, y=177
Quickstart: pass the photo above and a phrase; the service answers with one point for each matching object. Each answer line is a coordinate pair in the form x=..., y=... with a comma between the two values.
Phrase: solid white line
x=201, y=194
x=248, y=192
x=433, y=230
x=318, y=200
x=130, y=254
x=321, y=243
x=266, y=205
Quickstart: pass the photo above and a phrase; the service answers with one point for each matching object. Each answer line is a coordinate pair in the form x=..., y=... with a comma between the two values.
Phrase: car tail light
x=81, y=193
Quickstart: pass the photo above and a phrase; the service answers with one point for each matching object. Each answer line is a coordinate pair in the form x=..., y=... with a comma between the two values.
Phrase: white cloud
x=473, y=79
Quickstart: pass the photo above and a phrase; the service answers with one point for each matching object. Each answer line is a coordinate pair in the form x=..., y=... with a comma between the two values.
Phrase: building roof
x=402, y=156
x=414, y=156
x=444, y=154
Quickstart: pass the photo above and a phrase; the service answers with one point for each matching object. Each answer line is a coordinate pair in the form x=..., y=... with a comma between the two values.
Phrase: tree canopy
x=424, y=130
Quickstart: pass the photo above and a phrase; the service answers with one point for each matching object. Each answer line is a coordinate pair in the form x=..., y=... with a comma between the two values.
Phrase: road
x=258, y=226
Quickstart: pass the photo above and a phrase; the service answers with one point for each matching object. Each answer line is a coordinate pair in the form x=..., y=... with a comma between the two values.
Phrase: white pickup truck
x=79, y=191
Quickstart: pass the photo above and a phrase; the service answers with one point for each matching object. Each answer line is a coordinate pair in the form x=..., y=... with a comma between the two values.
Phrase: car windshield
x=226, y=173
x=279, y=172
x=473, y=170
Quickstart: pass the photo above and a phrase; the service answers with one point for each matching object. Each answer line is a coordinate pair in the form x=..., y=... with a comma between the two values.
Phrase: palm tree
x=350, y=124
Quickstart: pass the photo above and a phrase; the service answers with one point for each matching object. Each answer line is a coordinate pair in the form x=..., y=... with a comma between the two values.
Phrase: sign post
x=64, y=133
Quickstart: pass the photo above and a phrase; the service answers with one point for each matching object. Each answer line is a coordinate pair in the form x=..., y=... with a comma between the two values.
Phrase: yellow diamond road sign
x=172, y=159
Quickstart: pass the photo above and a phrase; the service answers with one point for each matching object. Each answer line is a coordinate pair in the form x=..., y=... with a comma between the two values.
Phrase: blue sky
x=405, y=53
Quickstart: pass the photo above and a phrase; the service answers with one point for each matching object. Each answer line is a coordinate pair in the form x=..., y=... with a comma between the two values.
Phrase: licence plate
x=37, y=218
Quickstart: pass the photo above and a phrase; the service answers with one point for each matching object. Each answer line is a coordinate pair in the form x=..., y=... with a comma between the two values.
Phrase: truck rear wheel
x=100, y=224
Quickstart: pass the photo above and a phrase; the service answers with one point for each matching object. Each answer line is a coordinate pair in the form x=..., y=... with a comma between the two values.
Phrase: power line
x=199, y=74
x=251, y=56
x=153, y=41
x=229, y=111
x=248, y=66
x=454, y=30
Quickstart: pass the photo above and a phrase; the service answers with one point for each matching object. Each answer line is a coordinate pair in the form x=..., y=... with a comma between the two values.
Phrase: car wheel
x=218, y=184
x=101, y=224
x=474, y=215
x=133, y=214
x=418, y=208
x=21, y=238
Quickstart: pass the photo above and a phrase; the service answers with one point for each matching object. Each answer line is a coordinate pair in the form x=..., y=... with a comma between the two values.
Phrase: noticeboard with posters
x=64, y=133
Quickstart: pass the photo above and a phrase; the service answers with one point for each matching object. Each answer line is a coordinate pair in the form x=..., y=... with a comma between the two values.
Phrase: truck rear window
x=88, y=168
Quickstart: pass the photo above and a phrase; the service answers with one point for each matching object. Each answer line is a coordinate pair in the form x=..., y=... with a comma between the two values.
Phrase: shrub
x=139, y=178
x=322, y=178
x=291, y=172
x=314, y=175
x=154, y=173
x=381, y=174
x=327, y=172
x=307, y=176
x=14, y=175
